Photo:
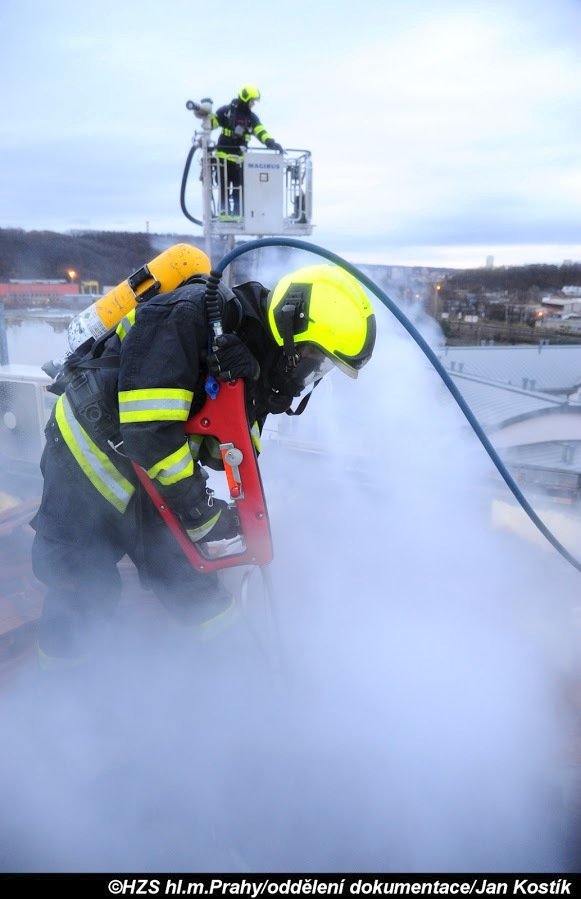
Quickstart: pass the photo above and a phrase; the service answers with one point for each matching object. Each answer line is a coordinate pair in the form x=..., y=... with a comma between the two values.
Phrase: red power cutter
x=224, y=418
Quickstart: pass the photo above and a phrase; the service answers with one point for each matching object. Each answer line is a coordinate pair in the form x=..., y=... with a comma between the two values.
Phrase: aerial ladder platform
x=275, y=197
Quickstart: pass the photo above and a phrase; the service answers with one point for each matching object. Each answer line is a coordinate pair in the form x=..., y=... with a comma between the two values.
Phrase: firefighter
x=238, y=123
x=129, y=402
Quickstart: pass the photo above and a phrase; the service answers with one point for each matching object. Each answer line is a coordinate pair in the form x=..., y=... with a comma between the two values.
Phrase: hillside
x=108, y=257
x=104, y=256
x=516, y=278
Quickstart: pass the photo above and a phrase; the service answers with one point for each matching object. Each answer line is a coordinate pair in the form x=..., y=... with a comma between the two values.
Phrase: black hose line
x=189, y=158
x=426, y=349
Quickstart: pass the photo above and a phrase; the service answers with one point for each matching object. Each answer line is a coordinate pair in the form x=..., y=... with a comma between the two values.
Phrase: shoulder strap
x=303, y=403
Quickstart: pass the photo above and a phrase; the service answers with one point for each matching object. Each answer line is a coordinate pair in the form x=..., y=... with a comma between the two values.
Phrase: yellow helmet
x=248, y=92
x=321, y=314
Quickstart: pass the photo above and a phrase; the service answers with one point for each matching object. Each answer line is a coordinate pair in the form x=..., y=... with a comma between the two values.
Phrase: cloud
x=419, y=118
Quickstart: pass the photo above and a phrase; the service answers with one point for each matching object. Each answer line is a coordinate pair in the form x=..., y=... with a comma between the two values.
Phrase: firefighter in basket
x=238, y=123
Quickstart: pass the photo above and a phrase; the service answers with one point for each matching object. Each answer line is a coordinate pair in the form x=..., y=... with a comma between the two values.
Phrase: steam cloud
x=409, y=716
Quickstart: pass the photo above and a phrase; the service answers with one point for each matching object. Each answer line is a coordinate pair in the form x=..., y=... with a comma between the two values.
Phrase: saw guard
x=225, y=419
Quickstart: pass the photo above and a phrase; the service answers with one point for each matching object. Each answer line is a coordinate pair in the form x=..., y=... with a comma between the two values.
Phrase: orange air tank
x=164, y=273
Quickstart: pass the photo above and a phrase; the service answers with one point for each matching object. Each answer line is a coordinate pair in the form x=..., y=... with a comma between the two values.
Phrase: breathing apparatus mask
x=297, y=366
x=309, y=364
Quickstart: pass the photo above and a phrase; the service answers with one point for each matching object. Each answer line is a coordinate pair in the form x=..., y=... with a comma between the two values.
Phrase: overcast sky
x=441, y=131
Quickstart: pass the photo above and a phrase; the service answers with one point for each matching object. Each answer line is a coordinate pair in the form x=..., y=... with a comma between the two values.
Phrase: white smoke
x=434, y=694
x=408, y=718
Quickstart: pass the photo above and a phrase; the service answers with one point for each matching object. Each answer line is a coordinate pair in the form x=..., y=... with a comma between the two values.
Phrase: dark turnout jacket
x=238, y=124
x=149, y=378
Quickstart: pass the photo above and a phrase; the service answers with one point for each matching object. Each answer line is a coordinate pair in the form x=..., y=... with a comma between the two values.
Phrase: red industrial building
x=37, y=292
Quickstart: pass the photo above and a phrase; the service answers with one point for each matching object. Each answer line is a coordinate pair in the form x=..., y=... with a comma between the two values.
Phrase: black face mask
x=276, y=403
x=308, y=365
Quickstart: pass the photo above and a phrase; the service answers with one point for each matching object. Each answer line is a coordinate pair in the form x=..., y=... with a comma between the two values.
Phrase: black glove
x=232, y=359
x=218, y=521
x=272, y=145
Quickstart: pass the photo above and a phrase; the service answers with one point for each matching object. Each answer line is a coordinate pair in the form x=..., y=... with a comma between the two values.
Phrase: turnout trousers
x=79, y=540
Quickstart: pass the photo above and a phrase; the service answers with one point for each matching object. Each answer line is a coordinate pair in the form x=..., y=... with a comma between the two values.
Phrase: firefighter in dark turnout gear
x=239, y=123
x=128, y=400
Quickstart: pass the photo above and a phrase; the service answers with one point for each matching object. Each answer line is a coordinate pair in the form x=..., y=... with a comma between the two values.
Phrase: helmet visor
x=311, y=365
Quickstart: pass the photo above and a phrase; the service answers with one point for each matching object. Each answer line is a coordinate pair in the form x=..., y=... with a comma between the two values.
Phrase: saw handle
x=224, y=418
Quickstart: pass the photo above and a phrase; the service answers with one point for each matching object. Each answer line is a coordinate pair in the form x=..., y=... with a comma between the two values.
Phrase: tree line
x=107, y=257
x=516, y=279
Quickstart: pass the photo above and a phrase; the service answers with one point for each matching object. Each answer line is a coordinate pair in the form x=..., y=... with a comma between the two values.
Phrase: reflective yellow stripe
x=211, y=446
x=175, y=467
x=155, y=404
x=125, y=324
x=255, y=434
x=195, y=442
x=214, y=627
x=93, y=462
x=231, y=157
x=58, y=663
x=196, y=534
